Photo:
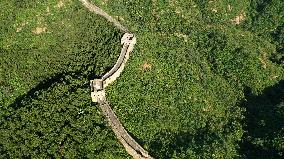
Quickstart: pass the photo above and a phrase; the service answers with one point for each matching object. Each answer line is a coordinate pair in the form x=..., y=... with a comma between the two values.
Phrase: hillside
x=205, y=79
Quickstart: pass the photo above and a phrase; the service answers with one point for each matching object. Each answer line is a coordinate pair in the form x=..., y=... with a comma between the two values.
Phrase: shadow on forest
x=264, y=119
x=49, y=83
x=45, y=85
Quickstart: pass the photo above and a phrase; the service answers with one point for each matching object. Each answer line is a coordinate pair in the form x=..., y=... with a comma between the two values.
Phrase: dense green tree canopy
x=205, y=79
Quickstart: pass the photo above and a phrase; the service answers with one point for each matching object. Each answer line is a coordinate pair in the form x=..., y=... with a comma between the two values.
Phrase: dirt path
x=98, y=87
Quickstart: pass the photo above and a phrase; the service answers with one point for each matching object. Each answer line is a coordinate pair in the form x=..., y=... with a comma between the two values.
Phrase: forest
x=205, y=79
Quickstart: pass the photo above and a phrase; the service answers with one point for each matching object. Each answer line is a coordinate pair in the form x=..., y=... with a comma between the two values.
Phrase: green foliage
x=266, y=19
x=65, y=125
x=202, y=82
x=181, y=93
x=45, y=109
x=264, y=123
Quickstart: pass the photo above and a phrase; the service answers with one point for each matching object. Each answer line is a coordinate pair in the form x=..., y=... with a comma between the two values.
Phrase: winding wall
x=98, y=85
